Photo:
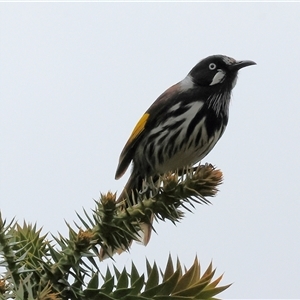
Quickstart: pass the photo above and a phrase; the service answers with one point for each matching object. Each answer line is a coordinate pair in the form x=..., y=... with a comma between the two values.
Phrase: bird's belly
x=186, y=157
x=169, y=150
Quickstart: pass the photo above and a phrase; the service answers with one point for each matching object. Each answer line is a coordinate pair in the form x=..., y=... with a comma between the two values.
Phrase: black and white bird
x=183, y=125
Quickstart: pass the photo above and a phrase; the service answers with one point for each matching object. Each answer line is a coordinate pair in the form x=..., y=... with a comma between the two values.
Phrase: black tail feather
x=131, y=189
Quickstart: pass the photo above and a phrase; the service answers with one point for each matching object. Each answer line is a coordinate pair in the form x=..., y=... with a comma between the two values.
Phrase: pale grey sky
x=75, y=79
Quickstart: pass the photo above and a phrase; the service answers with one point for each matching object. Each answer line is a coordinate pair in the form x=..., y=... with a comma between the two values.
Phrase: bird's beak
x=241, y=64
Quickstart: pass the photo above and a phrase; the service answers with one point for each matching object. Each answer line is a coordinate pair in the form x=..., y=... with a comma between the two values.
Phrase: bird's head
x=217, y=70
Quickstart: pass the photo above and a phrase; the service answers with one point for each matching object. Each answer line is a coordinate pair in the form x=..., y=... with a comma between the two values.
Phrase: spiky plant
x=68, y=268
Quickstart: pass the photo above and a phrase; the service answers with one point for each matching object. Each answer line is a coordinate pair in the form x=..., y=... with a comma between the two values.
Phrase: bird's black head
x=217, y=69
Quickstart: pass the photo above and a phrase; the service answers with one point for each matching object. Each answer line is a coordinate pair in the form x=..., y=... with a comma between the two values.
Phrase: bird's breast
x=181, y=140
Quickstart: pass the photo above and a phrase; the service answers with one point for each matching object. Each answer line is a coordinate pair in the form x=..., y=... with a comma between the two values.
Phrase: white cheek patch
x=234, y=82
x=219, y=77
x=186, y=84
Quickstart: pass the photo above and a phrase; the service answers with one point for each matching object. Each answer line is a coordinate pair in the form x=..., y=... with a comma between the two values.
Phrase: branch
x=35, y=266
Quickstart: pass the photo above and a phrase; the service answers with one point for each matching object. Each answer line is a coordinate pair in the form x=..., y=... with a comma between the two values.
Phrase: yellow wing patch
x=138, y=129
x=126, y=155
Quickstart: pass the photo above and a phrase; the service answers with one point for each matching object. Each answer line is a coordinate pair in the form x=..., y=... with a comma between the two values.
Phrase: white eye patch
x=212, y=66
x=219, y=77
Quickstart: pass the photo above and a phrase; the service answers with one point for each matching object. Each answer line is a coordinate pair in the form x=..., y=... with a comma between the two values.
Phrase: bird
x=182, y=125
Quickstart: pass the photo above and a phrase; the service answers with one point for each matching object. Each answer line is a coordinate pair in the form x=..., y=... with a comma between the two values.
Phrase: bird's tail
x=130, y=193
x=131, y=190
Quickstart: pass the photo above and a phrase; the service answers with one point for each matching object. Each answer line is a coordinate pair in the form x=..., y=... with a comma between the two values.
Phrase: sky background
x=76, y=77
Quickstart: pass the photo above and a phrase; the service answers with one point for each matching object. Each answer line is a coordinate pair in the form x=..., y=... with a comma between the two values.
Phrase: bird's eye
x=212, y=66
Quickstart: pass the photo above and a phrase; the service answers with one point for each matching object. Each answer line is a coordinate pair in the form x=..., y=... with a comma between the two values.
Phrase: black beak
x=241, y=64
